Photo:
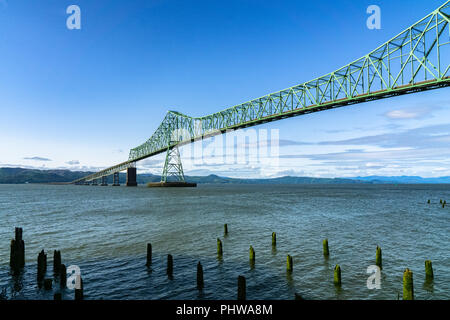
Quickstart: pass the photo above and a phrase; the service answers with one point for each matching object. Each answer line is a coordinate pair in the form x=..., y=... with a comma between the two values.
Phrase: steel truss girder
x=412, y=61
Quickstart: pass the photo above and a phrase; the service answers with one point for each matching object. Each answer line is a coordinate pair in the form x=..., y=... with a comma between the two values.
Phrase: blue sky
x=80, y=99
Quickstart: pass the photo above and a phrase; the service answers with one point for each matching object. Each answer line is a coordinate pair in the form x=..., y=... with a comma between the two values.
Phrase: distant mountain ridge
x=22, y=175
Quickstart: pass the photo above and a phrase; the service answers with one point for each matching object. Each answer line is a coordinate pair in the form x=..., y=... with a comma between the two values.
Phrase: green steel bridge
x=415, y=60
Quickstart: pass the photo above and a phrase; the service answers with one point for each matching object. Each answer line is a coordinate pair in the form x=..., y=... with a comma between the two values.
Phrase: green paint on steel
x=410, y=62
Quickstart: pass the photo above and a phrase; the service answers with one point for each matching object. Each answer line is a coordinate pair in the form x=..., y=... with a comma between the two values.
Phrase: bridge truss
x=415, y=60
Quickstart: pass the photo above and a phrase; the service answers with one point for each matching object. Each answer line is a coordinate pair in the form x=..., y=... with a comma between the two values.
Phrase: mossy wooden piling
x=169, y=265
x=429, y=275
x=337, y=275
x=274, y=239
x=79, y=293
x=252, y=254
x=379, y=258
x=63, y=276
x=429, y=201
x=225, y=229
x=17, y=253
x=42, y=265
x=149, y=255
x=408, y=286
x=219, y=247
x=241, y=294
x=56, y=262
x=200, y=282
x=326, y=251
x=289, y=264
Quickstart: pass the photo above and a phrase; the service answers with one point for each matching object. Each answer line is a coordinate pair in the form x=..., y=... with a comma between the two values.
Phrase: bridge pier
x=116, y=179
x=94, y=182
x=131, y=177
x=104, y=181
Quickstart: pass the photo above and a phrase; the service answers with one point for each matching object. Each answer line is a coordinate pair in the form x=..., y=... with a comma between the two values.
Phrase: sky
x=81, y=99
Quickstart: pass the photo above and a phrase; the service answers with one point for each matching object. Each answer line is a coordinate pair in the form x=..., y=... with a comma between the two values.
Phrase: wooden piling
x=63, y=276
x=429, y=270
x=56, y=262
x=337, y=275
x=17, y=253
x=274, y=239
x=225, y=229
x=42, y=265
x=200, y=282
x=252, y=254
x=298, y=297
x=219, y=248
x=378, y=258
x=326, y=251
x=48, y=284
x=149, y=254
x=241, y=295
x=408, y=286
x=79, y=294
x=289, y=264
x=429, y=201
x=169, y=265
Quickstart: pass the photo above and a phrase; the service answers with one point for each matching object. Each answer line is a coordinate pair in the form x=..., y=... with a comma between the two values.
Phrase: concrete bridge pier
x=94, y=182
x=131, y=177
x=104, y=181
x=116, y=179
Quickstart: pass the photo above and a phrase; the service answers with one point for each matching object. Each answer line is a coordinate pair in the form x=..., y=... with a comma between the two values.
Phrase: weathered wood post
x=79, y=295
x=42, y=265
x=56, y=262
x=225, y=229
x=219, y=248
x=429, y=270
x=252, y=254
x=378, y=258
x=326, y=251
x=48, y=284
x=17, y=253
x=241, y=288
x=169, y=265
x=63, y=276
x=149, y=254
x=200, y=283
x=274, y=239
x=289, y=264
x=337, y=275
x=408, y=286
x=298, y=297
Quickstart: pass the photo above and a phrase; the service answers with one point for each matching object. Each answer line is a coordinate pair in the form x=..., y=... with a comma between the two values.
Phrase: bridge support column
x=131, y=177
x=94, y=182
x=104, y=181
x=116, y=179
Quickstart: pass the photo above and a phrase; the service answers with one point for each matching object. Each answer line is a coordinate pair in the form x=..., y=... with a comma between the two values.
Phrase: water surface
x=104, y=230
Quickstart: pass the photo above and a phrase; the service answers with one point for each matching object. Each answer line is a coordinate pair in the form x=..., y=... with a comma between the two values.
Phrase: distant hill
x=21, y=175
x=404, y=180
